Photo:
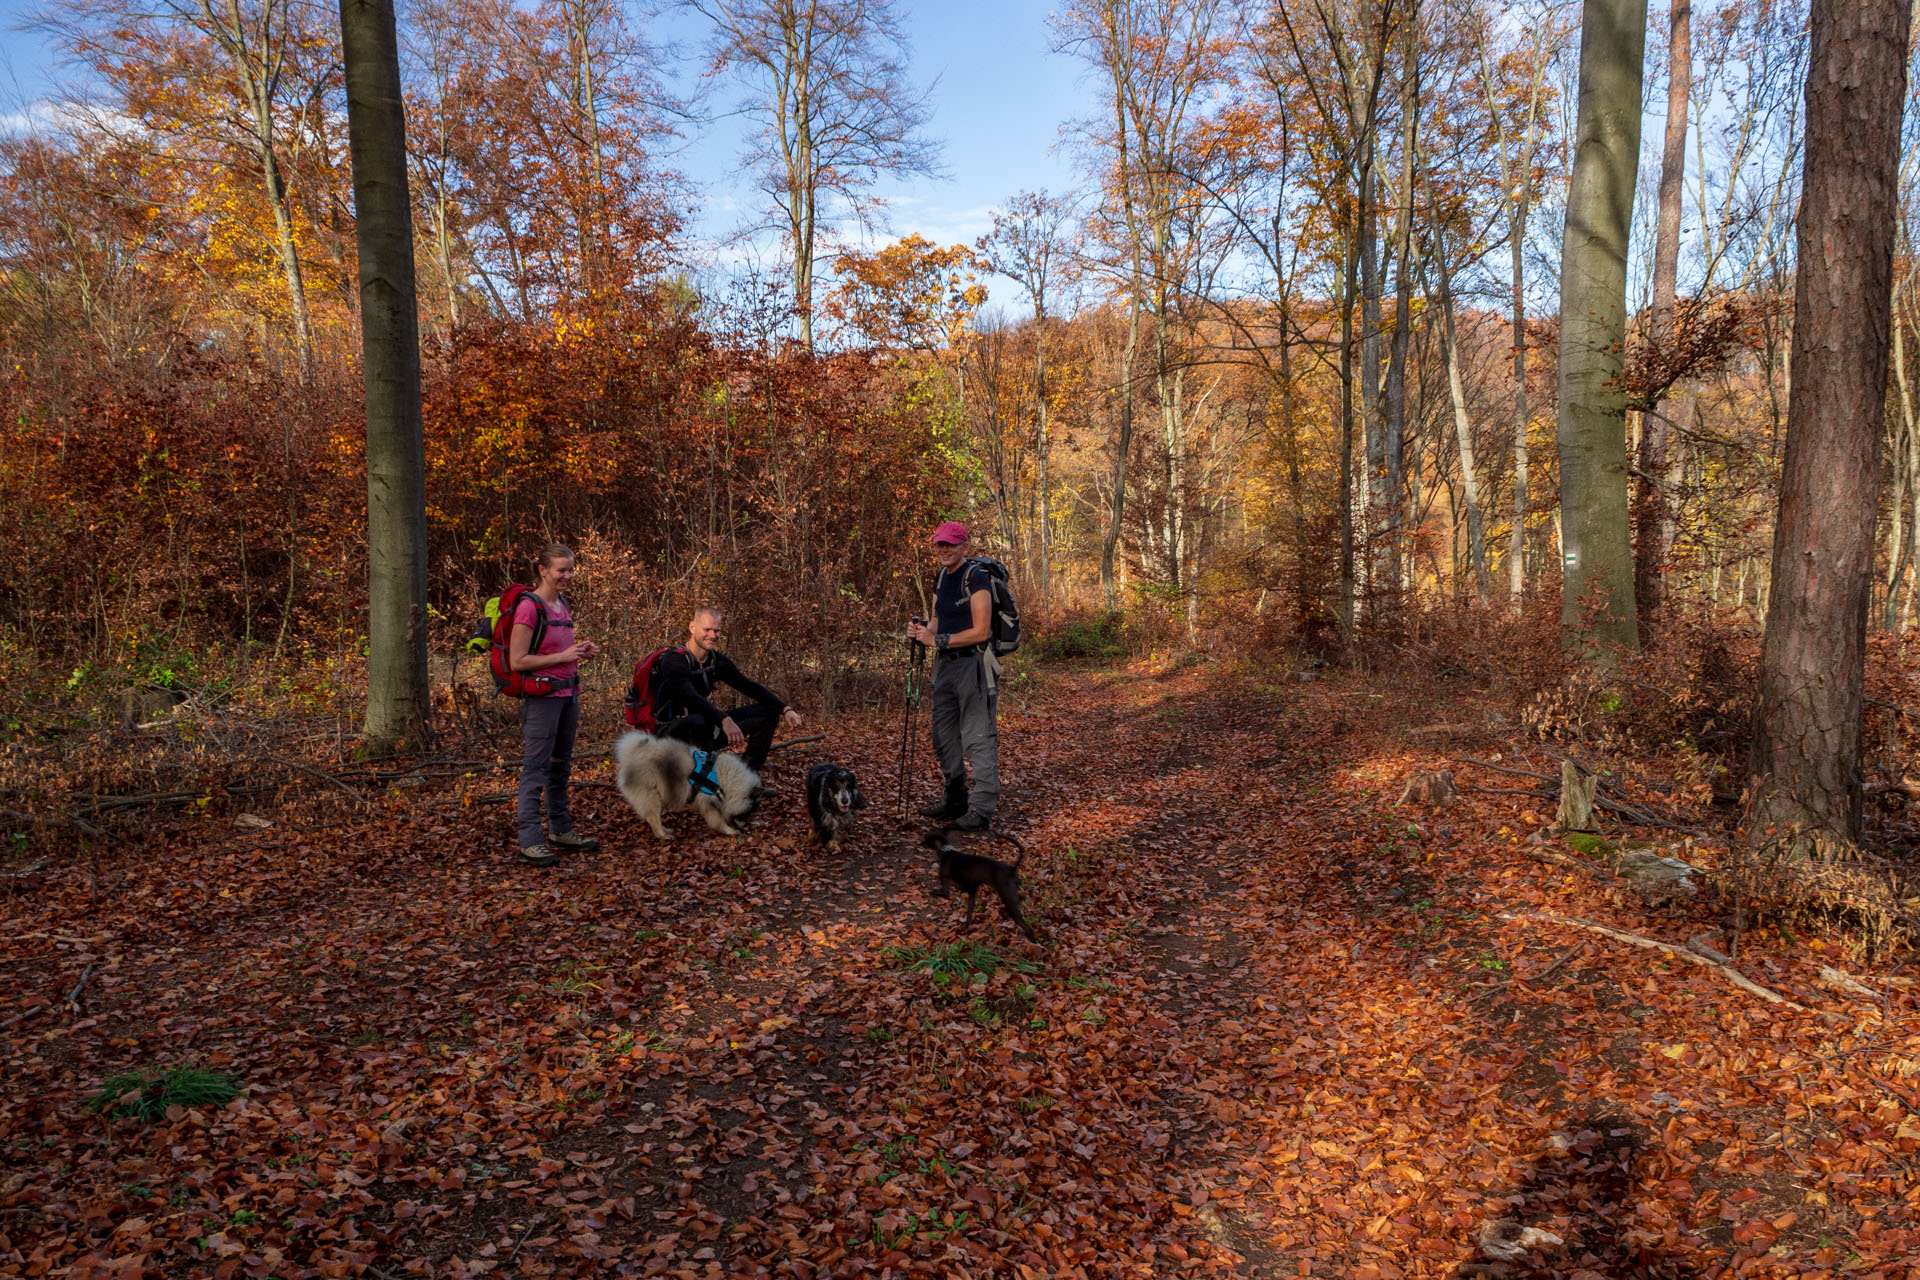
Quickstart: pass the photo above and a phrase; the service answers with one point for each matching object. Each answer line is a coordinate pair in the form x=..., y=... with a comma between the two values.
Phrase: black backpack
x=1006, y=614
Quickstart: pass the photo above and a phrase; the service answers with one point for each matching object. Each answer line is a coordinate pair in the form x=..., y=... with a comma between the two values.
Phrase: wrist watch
x=940, y=641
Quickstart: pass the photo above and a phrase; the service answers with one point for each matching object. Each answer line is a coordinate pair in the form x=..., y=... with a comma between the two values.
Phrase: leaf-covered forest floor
x=1277, y=1025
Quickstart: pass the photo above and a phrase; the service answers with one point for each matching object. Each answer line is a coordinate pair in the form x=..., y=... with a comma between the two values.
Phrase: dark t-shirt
x=953, y=600
x=685, y=686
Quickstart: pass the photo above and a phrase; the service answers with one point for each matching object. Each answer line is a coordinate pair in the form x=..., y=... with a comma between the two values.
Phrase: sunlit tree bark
x=1593, y=328
x=397, y=704
x=1806, y=738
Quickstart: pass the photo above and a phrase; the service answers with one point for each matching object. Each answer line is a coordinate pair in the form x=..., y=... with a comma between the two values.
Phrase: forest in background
x=1280, y=378
x=1301, y=222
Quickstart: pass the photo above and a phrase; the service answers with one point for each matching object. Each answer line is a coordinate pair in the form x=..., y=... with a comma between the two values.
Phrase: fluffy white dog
x=659, y=775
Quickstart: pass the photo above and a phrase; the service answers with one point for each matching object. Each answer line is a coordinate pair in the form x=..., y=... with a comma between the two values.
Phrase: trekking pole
x=913, y=656
x=919, y=685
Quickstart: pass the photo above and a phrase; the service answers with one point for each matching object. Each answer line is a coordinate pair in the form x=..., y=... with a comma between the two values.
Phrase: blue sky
x=999, y=106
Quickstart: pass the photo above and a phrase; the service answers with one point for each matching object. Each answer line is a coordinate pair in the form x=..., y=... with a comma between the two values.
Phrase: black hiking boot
x=954, y=806
x=974, y=820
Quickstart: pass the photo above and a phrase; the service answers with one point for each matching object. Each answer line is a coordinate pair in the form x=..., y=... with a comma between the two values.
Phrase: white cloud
x=43, y=116
x=79, y=119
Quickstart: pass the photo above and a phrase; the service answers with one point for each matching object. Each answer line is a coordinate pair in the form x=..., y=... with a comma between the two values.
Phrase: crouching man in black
x=685, y=680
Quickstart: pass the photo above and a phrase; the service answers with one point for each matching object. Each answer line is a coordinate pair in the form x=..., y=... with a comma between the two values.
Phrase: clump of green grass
x=958, y=959
x=146, y=1095
x=982, y=1012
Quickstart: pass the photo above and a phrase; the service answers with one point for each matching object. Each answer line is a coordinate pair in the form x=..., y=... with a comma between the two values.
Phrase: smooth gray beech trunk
x=1805, y=764
x=1596, y=549
x=397, y=702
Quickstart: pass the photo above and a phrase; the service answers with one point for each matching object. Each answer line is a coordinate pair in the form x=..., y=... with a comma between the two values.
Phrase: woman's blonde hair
x=551, y=552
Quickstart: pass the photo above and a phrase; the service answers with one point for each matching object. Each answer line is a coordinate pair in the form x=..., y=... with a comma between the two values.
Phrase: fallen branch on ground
x=56, y=816
x=1728, y=972
x=312, y=772
x=794, y=742
x=23, y=1016
x=1556, y=966
x=1841, y=980
x=1642, y=817
x=73, y=996
x=1518, y=773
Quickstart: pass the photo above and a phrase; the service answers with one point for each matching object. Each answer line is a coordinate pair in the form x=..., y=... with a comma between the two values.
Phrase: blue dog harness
x=701, y=781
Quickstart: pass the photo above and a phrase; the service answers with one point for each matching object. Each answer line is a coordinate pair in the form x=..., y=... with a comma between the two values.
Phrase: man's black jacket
x=685, y=686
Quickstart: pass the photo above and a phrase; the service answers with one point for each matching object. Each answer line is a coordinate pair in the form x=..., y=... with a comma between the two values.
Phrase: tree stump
x=1430, y=788
x=1576, y=798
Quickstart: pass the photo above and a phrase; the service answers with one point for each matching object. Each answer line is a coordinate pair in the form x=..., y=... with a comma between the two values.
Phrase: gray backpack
x=1006, y=614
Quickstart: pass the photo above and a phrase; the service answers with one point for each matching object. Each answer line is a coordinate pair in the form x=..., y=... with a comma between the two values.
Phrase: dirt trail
x=1274, y=1027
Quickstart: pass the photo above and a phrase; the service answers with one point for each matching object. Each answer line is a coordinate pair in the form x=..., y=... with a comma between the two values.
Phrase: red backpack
x=640, y=692
x=496, y=627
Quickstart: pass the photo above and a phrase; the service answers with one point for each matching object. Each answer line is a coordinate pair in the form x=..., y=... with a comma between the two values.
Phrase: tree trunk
x=1597, y=551
x=1110, y=546
x=1041, y=442
x=1806, y=734
x=276, y=193
x=1906, y=475
x=1911, y=494
x=1654, y=511
x=802, y=225
x=1347, y=584
x=1462, y=425
x=1371, y=426
x=1517, y=537
x=1395, y=430
x=1463, y=429
x=1172, y=517
x=397, y=696
x=1516, y=177
x=1896, y=532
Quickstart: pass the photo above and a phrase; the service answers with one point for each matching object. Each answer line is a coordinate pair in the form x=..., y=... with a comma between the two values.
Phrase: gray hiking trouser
x=964, y=728
x=548, y=726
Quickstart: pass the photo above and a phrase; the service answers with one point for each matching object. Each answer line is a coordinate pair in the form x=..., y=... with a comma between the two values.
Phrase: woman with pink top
x=550, y=721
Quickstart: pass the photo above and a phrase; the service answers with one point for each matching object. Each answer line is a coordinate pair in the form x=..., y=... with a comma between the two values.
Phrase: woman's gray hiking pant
x=548, y=725
x=964, y=728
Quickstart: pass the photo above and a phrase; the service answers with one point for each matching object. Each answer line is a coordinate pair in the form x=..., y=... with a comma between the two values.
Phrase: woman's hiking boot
x=538, y=855
x=954, y=806
x=573, y=842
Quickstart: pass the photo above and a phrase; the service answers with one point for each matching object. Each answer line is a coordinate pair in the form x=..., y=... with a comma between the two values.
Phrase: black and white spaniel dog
x=833, y=793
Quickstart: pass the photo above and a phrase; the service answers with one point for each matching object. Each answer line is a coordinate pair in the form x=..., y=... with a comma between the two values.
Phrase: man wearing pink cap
x=965, y=679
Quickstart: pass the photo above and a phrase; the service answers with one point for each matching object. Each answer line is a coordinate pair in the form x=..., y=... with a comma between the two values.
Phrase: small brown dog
x=970, y=871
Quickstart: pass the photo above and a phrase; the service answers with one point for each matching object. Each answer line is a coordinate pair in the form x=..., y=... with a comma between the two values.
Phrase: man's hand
x=736, y=740
x=792, y=718
x=920, y=631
